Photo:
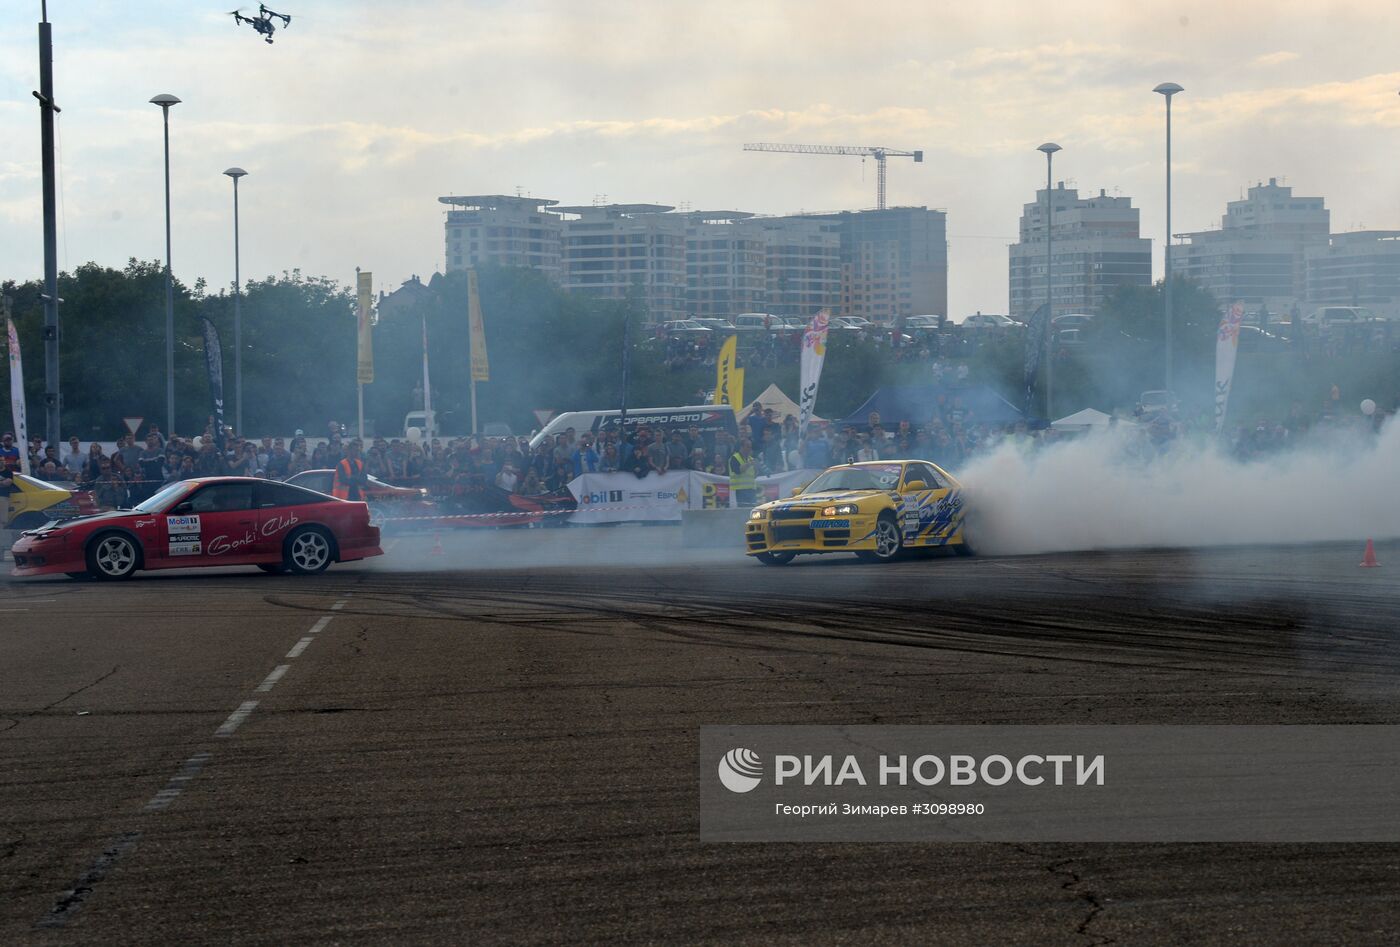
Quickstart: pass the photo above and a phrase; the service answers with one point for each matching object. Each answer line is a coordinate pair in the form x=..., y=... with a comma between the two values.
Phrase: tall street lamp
x=1167, y=90
x=1049, y=148
x=165, y=100
x=237, y=173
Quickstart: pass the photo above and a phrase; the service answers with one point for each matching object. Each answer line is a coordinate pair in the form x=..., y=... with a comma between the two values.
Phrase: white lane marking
x=235, y=719
x=339, y=605
x=272, y=678
x=320, y=624
x=188, y=771
x=299, y=647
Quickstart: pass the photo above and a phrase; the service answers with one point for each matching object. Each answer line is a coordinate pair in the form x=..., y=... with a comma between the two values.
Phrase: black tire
x=308, y=550
x=775, y=558
x=112, y=556
x=274, y=568
x=964, y=548
x=80, y=576
x=889, y=541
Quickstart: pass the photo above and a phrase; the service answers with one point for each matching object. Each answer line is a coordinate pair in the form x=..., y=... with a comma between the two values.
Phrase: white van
x=709, y=418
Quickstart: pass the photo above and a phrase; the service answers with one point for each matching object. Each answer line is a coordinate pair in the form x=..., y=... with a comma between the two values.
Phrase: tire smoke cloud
x=1103, y=492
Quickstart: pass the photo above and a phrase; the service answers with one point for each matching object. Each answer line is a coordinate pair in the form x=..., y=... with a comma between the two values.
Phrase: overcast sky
x=361, y=115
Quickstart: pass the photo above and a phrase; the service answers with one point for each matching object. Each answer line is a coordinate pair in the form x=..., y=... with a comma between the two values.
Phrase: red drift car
x=215, y=521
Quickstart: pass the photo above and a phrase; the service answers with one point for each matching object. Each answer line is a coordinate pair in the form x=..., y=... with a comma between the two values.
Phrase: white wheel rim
x=115, y=556
x=310, y=550
x=886, y=539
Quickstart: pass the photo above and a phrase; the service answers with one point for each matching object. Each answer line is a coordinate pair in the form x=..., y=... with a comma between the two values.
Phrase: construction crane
x=863, y=151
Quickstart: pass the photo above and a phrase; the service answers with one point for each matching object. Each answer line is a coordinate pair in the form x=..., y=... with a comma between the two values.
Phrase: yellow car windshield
x=869, y=477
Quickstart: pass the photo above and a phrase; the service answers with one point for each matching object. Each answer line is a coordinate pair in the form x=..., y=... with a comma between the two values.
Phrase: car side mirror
x=913, y=486
x=796, y=491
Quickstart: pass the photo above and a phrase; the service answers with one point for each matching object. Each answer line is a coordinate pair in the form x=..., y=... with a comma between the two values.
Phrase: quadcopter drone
x=262, y=23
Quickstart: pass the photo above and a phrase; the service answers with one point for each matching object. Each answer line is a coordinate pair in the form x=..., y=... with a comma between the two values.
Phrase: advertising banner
x=214, y=362
x=1227, y=346
x=17, y=397
x=623, y=498
x=813, y=355
x=725, y=369
x=364, y=361
x=481, y=366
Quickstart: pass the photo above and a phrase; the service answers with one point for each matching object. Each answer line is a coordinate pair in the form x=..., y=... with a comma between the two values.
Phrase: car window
x=268, y=495
x=222, y=498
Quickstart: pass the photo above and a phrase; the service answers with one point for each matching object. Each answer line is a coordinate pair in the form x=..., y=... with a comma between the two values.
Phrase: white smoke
x=1099, y=492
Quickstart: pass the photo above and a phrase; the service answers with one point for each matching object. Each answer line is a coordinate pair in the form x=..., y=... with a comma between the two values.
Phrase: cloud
x=1275, y=59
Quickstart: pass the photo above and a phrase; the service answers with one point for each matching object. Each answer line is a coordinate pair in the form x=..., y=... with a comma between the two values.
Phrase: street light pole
x=237, y=173
x=1167, y=90
x=1049, y=148
x=53, y=402
x=165, y=100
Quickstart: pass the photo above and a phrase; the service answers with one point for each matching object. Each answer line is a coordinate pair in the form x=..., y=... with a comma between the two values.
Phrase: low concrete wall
x=713, y=529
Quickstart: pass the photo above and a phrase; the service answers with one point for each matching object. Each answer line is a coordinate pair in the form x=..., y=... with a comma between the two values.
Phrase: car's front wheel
x=112, y=556
x=775, y=558
x=308, y=550
x=888, y=541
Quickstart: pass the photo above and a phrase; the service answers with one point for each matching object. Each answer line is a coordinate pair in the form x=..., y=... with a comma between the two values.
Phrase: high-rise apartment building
x=616, y=249
x=1361, y=268
x=802, y=266
x=724, y=263
x=505, y=230
x=1096, y=248
x=894, y=262
x=1258, y=256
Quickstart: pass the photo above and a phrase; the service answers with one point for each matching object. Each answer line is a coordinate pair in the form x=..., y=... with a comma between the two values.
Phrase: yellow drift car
x=875, y=509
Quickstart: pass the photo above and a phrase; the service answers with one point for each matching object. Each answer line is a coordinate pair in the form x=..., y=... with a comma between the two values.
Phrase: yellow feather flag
x=736, y=390
x=725, y=369
x=364, y=298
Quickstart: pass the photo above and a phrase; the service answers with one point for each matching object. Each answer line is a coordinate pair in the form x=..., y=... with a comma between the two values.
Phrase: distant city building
x=802, y=266
x=1258, y=256
x=894, y=262
x=725, y=264
x=1097, y=248
x=1357, y=269
x=505, y=230
x=878, y=264
x=616, y=249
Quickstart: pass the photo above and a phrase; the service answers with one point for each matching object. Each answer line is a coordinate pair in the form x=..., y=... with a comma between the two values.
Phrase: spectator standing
x=151, y=464
x=743, y=473
x=348, y=481
x=74, y=459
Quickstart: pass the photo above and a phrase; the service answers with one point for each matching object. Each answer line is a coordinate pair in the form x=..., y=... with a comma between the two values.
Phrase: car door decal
x=184, y=536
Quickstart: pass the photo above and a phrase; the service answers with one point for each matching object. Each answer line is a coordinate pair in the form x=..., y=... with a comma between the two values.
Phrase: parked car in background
x=1152, y=403
x=1072, y=320
x=988, y=320
x=755, y=322
x=718, y=325
x=684, y=327
x=923, y=322
x=386, y=501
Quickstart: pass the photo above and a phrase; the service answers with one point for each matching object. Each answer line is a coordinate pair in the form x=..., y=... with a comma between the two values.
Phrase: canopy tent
x=1086, y=420
x=918, y=404
x=774, y=398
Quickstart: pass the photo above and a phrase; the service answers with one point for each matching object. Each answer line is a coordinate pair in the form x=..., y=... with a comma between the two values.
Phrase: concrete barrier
x=713, y=529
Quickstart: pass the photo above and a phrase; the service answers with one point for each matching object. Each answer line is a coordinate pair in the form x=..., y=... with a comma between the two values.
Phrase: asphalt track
x=480, y=750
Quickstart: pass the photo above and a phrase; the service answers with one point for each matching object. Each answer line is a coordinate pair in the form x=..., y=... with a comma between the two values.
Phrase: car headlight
x=757, y=514
x=844, y=509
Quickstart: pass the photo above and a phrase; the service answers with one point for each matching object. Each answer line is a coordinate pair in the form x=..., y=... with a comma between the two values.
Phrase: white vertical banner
x=17, y=397
x=813, y=355
x=1227, y=346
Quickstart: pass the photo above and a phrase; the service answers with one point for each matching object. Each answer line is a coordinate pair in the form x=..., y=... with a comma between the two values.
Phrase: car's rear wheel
x=112, y=556
x=775, y=558
x=308, y=550
x=889, y=543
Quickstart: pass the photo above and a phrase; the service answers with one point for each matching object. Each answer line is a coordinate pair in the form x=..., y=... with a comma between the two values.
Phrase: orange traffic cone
x=1368, y=561
x=437, y=545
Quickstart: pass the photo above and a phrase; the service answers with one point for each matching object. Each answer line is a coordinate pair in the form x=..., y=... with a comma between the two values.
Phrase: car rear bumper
x=363, y=546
